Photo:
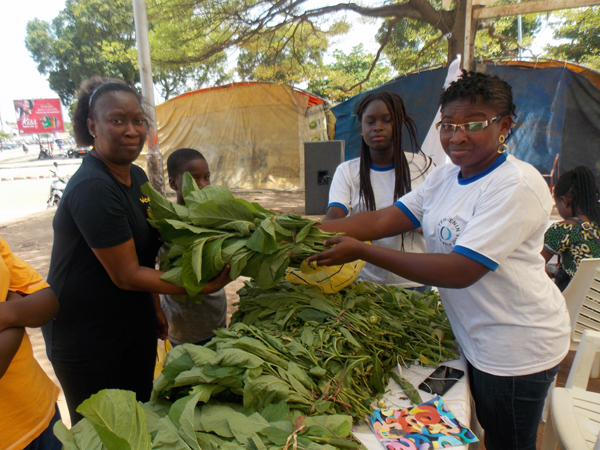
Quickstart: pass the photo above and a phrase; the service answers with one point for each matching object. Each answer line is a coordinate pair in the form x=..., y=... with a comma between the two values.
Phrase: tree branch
x=251, y=26
x=383, y=44
x=491, y=29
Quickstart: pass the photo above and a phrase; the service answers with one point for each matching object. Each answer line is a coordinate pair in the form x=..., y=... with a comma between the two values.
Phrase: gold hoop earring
x=502, y=147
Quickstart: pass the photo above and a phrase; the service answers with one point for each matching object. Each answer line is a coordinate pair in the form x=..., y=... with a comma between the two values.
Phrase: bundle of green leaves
x=214, y=229
x=115, y=421
x=294, y=370
x=255, y=368
x=366, y=326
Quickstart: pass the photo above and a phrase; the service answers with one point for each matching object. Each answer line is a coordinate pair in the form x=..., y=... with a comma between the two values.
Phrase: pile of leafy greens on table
x=115, y=421
x=365, y=326
x=293, y=371
x=214, y=229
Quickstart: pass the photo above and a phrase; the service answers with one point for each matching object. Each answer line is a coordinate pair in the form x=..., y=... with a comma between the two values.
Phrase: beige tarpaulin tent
x=252, y=134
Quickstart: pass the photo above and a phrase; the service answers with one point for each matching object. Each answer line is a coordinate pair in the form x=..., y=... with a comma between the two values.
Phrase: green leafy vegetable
x=214, y=229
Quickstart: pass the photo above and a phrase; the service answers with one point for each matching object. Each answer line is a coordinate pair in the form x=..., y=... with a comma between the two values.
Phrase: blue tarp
x=558, y=113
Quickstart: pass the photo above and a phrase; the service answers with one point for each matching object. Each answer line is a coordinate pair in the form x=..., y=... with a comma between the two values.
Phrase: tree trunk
x=456, y=43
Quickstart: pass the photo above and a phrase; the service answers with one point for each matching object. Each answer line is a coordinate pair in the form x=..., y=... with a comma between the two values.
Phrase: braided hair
x=400, y=119
x=579, y=185
x=90, y=91
x=478, y=87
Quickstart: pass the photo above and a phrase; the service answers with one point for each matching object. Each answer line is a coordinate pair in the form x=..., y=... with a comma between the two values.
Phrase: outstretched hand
x=218, y=282
x=344, y=249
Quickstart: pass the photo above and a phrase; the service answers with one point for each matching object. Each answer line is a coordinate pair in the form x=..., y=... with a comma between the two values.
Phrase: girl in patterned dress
x=578, y=235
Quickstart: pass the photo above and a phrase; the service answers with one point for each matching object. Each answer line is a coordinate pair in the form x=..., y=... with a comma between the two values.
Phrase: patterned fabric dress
x=573, y=242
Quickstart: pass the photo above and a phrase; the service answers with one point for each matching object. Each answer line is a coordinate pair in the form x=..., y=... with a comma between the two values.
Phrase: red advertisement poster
x=39, y=116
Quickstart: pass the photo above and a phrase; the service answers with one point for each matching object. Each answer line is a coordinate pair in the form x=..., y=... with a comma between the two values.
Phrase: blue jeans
x=47, y=440
x=509, y=409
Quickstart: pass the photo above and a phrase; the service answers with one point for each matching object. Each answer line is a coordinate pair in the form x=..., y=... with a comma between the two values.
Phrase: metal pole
x=153, y=157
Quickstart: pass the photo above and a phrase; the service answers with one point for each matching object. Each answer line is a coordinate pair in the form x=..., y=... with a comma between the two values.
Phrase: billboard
x=39, y=116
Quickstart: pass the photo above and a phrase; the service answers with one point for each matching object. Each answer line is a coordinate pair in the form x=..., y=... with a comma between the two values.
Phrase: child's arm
x=161, y=319
x=10, y=341
x=32, y=311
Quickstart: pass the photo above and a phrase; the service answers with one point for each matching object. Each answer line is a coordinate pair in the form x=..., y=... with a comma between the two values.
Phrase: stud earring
x=502, y=147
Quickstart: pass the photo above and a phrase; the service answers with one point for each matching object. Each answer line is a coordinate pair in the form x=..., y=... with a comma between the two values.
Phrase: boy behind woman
x=189, y=322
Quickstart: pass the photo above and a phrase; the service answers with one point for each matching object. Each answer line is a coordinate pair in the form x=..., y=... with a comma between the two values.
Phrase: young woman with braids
x=578, y=235
x=365, y=183
x=102, y=265
x=483, y=218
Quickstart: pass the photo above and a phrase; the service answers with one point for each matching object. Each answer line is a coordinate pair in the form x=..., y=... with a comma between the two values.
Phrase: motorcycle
x=25, y=149
x=57, y=187
x=44, y=154
x=68, y=152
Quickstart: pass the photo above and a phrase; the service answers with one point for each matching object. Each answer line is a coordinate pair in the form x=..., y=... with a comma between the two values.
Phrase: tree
x=69, y=128
x=342, y=78
x=291, y=55
x=169, y=40
x=243, y=23
x=88, y=37
x=581, y=28
x=97, y=37
x=414, y=44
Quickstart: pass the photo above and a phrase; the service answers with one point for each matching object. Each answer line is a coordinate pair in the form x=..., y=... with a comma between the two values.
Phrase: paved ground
x=25, y=182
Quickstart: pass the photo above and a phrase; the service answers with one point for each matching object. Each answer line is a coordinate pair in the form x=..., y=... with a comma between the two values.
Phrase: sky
x=19, y=78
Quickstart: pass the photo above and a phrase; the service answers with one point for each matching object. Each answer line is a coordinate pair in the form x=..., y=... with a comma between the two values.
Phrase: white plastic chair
x=582, y=296
x=574, y=421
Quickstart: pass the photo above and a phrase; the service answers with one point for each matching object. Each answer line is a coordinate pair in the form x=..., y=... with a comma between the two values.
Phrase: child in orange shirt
x=27, y=396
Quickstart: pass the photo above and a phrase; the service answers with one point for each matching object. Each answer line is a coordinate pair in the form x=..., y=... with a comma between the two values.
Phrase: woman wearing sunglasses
x=483, y=219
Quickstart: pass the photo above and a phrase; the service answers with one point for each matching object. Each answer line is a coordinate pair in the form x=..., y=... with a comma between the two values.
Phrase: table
x=458, y=399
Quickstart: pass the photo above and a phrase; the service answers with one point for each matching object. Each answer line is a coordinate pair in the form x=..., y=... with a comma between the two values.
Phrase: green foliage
x=96, y=37
x=500, y=38
x=581, y=28
x=173, y=41
x=413, y=44
x=283, y=379
x=334, y=80
x=88, y=37
x=69, y=128
x=416, y=44
x=5, y=135
x=214, y=229
x=290, y=55
x=317, y=353
x=385, y=323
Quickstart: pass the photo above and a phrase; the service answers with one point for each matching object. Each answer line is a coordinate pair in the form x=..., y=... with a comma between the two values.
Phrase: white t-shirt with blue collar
x=345, y=193
x=513, y=321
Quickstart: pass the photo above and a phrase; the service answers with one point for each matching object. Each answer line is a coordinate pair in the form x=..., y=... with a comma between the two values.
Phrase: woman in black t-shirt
x=102, y=266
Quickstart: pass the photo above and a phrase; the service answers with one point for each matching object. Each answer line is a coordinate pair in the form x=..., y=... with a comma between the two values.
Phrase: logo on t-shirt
x=145, y=199
x=448, y=231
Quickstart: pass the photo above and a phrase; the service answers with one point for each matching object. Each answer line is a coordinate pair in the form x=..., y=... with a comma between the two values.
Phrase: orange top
x=27, y=395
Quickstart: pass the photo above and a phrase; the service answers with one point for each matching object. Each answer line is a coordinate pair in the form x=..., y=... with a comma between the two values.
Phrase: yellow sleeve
x=22, y=278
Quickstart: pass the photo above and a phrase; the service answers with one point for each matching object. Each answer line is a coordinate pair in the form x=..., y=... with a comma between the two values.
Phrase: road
x=25, y=184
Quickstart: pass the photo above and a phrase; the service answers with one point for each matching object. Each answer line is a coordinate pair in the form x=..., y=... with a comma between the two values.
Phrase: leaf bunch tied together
x=214, y=229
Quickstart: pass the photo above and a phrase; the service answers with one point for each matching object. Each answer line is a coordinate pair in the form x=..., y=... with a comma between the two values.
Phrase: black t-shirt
x=97, y=211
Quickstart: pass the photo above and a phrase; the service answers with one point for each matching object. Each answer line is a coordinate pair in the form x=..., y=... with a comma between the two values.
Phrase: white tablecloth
x=458, y=399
